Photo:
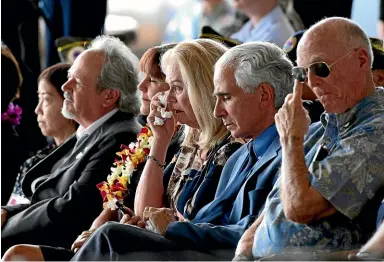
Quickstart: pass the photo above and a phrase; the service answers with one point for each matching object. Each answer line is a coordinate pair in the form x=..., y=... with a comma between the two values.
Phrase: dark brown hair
x=57, y=75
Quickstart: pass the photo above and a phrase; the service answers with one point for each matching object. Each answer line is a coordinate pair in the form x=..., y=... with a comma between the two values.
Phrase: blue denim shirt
x=350, y=176
x=273, y=27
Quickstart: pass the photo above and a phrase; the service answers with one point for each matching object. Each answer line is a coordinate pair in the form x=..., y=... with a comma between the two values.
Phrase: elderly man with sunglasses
x=331, y=182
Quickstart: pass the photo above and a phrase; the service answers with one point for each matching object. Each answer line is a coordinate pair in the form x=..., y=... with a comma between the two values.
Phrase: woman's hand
x=158, y=218
x=80, y=240
x=164, y=132
x=133, y=221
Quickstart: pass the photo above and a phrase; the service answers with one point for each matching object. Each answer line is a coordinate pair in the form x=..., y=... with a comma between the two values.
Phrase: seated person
x=101, y=96
x=310, y=103
x=330, y=187
x=193, y=15
x=189, y=182
x=378, y=61
x=12, y=156
x=371, y=251
x=191, y=179
x=267, y=22
x=251, y=81
x=51, y=122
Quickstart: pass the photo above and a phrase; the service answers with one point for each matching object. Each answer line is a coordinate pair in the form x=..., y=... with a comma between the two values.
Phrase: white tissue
x=164, y=114
x=158, y=121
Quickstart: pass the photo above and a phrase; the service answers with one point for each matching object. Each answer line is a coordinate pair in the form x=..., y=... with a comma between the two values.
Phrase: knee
x=109, y=228
x=23, y=253
x=117, y=230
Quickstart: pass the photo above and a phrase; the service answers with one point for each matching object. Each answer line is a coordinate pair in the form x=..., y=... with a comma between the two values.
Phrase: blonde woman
x=190, y=182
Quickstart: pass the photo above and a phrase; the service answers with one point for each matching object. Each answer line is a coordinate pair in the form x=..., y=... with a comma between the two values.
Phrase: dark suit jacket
x=239, y=200
x=68, y=201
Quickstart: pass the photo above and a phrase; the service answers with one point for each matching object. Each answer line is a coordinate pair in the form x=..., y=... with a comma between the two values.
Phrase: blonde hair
x=196, y=59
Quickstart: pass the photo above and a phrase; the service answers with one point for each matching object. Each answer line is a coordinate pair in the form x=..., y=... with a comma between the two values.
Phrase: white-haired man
x=100, y=95
x=331, y=186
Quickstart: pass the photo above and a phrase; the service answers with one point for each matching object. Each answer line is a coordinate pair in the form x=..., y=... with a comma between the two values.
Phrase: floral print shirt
x=190, y=182
x=345, y=159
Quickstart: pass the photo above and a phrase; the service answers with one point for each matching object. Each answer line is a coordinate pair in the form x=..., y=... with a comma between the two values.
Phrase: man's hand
x=292, y=120
x=4, y=214
x=158, y=218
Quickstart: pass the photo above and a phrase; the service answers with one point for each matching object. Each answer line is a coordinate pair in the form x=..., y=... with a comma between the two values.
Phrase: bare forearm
x=294, y=182
x=376, y=243
x=106, y=215
x=150, y=189
x=244, y=247
x=302, y=203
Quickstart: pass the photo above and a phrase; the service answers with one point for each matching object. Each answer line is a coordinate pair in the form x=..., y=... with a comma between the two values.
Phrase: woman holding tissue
x=190, y=181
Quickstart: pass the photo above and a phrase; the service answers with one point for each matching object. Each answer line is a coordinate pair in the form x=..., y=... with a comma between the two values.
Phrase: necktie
x=249, y=162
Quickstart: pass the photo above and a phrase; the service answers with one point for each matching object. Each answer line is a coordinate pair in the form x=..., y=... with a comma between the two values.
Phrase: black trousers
x=114, y=241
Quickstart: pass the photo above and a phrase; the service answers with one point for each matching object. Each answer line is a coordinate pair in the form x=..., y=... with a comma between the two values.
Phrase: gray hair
x=120, y=71
x=260, y=62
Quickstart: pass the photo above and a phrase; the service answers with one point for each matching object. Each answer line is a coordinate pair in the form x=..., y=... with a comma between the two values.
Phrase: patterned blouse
x=17, y=195
x=191, y=182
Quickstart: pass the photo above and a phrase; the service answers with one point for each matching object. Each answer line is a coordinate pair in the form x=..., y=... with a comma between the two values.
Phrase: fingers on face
x=156, y=97
x=298, y=90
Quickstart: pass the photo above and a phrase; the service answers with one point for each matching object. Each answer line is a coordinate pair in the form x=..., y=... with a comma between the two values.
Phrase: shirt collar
x=91, y=128
x=359, y=111
x=269, y=18
x=264, y=140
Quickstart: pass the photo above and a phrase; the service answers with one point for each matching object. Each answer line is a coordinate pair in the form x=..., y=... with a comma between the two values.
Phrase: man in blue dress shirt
x=330, y=187
x=267, y=22
x=251, y=82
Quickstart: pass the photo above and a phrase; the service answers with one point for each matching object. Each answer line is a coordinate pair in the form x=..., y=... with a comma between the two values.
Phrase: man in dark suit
x=100, y=95
x=251, y=81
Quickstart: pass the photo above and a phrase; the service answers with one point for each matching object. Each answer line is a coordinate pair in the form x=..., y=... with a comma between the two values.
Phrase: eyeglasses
x=320, y=69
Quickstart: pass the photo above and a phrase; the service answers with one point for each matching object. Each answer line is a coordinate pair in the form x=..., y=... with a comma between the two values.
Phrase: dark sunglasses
x=320, y=69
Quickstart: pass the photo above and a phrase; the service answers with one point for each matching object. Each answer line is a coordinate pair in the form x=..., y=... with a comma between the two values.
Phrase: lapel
x=270, y=154
x=45, y=165
x=214, y=211
x=238, y=166
x=88, y=142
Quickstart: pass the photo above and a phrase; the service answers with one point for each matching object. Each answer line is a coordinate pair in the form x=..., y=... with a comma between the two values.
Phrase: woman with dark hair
x=51, y=122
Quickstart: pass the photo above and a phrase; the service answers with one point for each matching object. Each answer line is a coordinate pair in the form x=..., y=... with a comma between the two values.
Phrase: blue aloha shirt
x=350, y=176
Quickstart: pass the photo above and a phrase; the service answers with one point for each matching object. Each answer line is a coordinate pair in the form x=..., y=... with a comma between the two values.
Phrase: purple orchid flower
x=12, y=115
